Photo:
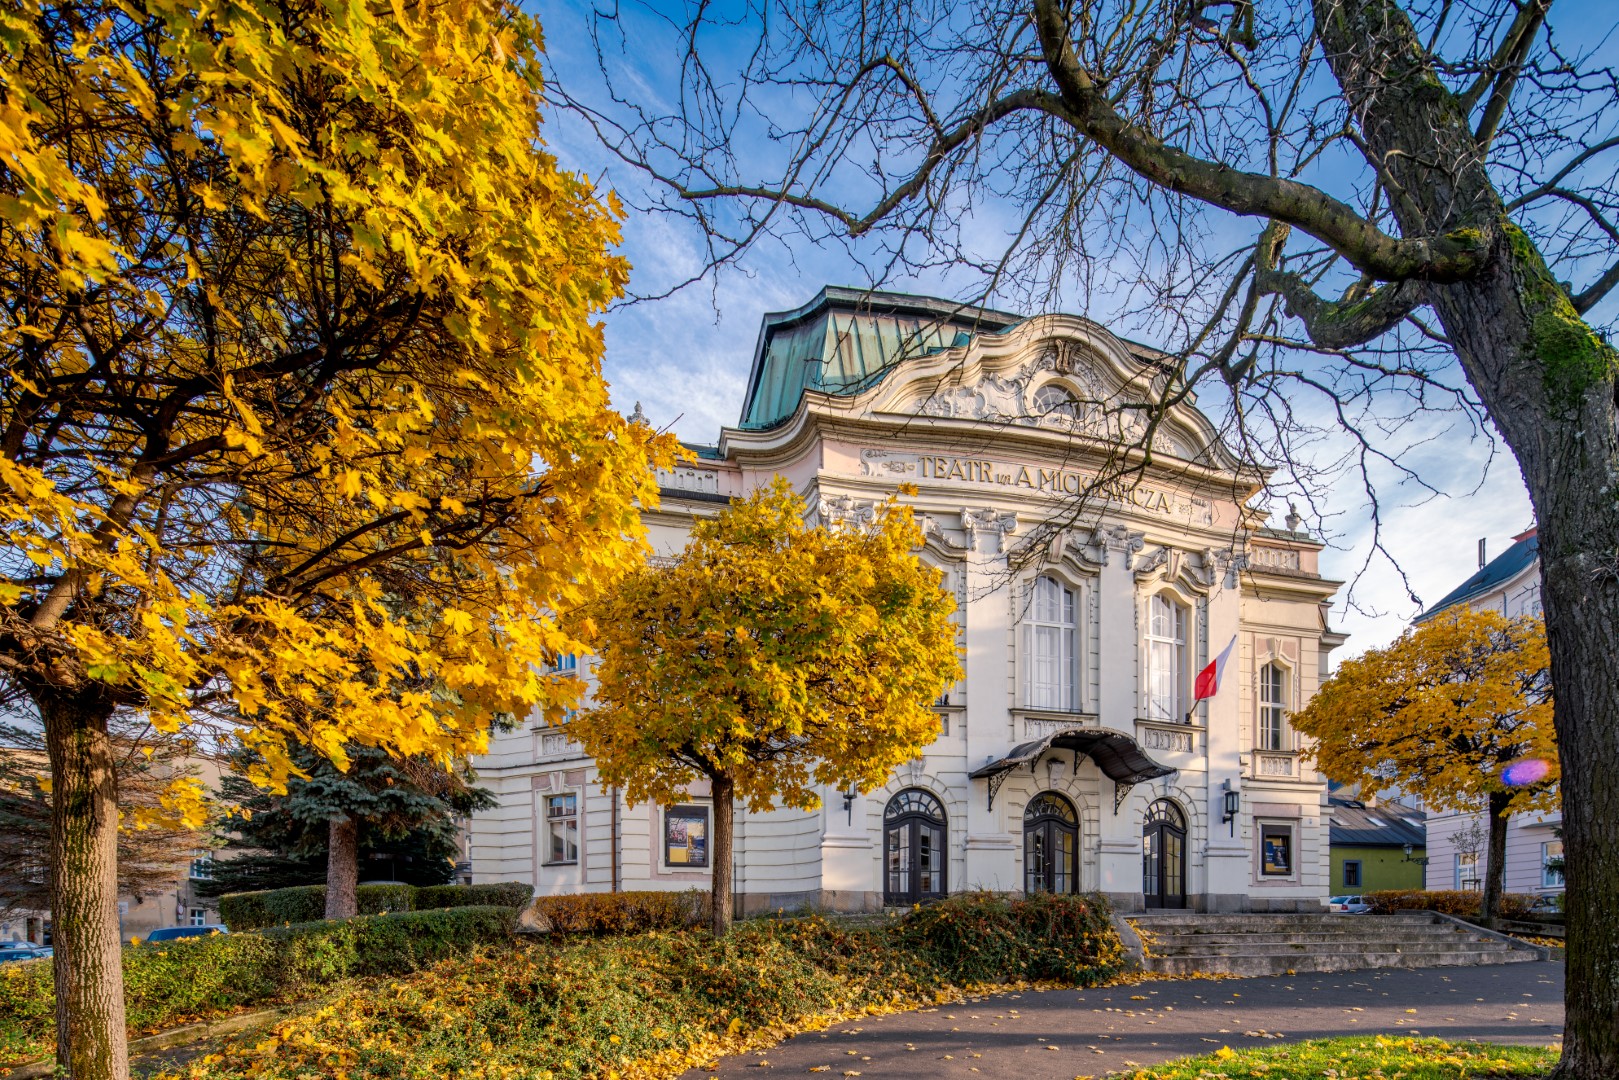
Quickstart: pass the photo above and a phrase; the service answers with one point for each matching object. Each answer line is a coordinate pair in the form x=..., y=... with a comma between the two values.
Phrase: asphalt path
x=1064, y=1034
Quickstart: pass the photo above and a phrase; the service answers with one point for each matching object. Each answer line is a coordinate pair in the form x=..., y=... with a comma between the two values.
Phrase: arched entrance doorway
x=913, y=848
x=1050, y=845
x=1163, y=856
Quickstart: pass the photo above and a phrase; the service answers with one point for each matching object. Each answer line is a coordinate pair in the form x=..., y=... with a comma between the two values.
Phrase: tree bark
x=91, y=1042
x=1495, y=866
x=1548, y=383
x=723, y=890
x=342, y=867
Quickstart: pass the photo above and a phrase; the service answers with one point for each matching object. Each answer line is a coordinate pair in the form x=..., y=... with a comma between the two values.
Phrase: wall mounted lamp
x=1231, y=803
x=848, y=803
x=1421, y=860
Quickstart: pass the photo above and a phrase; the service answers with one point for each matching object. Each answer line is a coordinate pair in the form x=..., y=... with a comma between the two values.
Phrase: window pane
x=899, y=860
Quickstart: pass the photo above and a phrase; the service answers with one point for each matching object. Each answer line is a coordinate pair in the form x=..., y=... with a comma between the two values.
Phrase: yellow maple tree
x=302, y=420
x=772, y=659
x=1457, y=711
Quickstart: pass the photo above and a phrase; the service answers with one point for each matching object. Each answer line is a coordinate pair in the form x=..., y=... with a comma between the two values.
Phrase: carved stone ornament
x=932, y=530
x=687, y=478
x=987, y=522
x=845, y=511
x=890, y=464
x=1119, y=538
x=1159, y=739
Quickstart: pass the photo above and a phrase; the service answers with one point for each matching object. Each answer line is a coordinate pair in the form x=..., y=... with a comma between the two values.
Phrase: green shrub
x=380, y=899
x=301, y=903
x=571, y=1007
x=512, y=894
x=624, y=912
x=173, y=982
x=984, y=938
x=307, y=903
x=387, y=944
x=244, y=910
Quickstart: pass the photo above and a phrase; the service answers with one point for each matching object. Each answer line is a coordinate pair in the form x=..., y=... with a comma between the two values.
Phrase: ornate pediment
x=1060, y=388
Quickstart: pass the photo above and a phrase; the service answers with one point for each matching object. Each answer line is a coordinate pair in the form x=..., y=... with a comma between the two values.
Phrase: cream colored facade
x=1079, y=660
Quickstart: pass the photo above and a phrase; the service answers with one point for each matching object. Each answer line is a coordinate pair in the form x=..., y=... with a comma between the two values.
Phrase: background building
x=1376, y=846
x=1070, y=756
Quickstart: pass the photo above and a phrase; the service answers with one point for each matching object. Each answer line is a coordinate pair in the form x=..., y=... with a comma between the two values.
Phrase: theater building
x=1071, y=755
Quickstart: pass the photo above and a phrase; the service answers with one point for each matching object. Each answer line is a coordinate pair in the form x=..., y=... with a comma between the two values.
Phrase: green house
x=1376, y=847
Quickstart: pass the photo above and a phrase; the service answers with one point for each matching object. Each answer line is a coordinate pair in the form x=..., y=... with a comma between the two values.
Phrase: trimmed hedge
x=509, y=894
x=177, y=981
x=623, y=912
x=1460, y=902
x=307, y=903
x=984, y=938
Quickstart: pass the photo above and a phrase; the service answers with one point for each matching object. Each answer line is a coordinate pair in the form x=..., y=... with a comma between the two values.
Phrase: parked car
x=170, y=933
x=1547, y=904
x=23, y=950
x=1348, y=905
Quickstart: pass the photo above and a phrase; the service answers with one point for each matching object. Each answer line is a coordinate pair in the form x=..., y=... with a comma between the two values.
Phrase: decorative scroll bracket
x=1120, y=793
x=995, y=782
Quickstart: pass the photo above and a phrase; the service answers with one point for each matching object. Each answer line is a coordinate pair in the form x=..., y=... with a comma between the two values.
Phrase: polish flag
x=1208, y=680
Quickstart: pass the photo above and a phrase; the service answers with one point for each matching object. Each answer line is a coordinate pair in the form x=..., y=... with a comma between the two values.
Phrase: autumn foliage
x=772, y=659
x=302, y=422
x=1443, y=712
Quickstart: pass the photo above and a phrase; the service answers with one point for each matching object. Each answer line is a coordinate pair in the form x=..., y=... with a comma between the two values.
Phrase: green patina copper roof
x=845, y=340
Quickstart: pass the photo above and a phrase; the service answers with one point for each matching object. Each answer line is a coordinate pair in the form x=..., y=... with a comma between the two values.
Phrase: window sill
x=571, y=862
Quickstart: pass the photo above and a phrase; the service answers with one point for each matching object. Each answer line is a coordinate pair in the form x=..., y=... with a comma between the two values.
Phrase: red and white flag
x=1208, y=680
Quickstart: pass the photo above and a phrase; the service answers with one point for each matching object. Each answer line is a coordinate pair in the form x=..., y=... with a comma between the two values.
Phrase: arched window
x=1272, y=708
x=1166, y=658
x=1052, y=630
x=1163, y=856
x=913, y=848
x=1050, y=845
x=1054, y=402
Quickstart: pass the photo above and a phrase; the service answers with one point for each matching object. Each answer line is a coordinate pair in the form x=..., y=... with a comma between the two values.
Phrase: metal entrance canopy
x=1119, y=756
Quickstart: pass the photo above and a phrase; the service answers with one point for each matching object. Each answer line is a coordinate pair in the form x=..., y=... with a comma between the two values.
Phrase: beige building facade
x=1071, y=756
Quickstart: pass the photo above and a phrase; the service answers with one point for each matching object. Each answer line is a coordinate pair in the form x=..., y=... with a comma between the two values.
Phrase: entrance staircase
x=1185, y=943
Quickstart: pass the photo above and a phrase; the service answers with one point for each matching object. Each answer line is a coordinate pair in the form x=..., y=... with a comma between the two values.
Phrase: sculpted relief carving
x=1018, y=397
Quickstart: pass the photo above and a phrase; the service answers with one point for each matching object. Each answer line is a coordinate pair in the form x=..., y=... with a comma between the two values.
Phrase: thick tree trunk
x=724, y=891
x=342, y=867
x=90, y=1037
x=1549, y=384
x=1495, y=867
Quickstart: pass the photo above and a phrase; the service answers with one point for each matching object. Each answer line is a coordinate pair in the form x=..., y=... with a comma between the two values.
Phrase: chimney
x=1481, y=553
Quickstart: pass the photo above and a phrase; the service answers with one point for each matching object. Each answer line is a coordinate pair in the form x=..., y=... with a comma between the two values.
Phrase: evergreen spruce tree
x=384, y=818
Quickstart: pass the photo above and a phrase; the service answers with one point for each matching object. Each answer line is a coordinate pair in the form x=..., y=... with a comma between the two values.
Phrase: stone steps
x=1184, y=943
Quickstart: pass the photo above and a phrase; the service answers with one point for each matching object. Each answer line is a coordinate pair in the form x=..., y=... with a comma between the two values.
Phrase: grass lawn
x=1362, y=1058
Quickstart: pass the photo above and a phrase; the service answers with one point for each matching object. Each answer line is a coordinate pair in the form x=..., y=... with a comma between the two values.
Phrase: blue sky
x=685, y=359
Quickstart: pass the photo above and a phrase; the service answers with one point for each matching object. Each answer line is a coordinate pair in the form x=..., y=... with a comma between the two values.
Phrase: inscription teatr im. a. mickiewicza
x=1037, y=479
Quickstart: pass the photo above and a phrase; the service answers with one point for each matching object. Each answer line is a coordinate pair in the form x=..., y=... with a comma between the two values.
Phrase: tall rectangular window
x=562, y=829
x=685, y=836
x=1467, y=870
x=199, y=917
x=1550, y=878
x=1166, y=658
x=1272, y=713
x=1351, y=873
x=1051, y=629
x=202, y=866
